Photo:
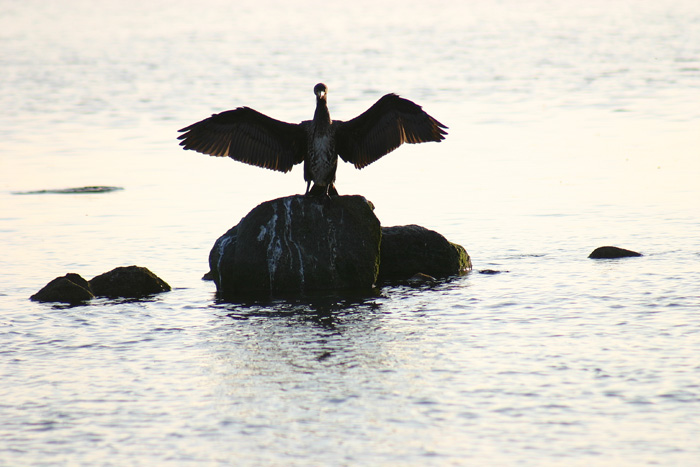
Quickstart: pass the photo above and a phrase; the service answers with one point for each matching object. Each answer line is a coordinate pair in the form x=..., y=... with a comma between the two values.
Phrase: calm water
x=572, y=125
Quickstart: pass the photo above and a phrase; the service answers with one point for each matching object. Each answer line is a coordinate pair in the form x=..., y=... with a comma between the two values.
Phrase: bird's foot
x=318, y=191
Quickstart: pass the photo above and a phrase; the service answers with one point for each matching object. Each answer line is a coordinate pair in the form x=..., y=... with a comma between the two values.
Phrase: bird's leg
x=326, y=197
x=308, y=185
x=331, y=191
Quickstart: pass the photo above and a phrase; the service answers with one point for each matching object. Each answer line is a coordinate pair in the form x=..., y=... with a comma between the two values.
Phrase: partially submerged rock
x=611, y=252
x=71, y=191
x=298, y=244
x=421, y=278
x=122, y=282
x=71, y=288
x=128, y=282
x=408, y=250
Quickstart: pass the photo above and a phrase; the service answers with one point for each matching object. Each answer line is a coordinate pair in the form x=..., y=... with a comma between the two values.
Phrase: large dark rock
x=297, y=244
x=71, y=288
x=611, y=252
x=128, y=282
x=411, y=249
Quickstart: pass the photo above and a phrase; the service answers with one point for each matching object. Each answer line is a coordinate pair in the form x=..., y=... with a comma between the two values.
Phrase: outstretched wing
x=390, y=122
x=248, y=136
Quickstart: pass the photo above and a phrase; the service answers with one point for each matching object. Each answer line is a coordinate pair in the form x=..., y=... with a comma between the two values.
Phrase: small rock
x=411, y=249
x=70, y=288
x=128, y=282
x=208, y=276
x=489, y=272
x=611, y=252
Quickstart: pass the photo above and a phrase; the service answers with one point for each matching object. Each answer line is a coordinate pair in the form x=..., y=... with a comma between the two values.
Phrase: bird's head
x=321, y=90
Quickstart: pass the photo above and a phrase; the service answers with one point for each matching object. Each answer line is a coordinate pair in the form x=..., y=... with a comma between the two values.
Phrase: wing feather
x=390, y=122
x=248, y=136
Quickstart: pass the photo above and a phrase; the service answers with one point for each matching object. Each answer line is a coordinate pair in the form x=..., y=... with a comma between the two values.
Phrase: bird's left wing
x=390, y=122
x=248, y=136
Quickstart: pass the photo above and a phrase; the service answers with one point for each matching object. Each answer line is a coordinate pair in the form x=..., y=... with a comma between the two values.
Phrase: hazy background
x=572, y=124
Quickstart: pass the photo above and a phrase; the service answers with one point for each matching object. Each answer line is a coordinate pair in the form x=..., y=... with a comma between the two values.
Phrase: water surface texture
x=573, y=125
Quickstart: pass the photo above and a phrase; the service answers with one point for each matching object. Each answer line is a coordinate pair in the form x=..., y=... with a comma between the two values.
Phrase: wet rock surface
x=297, y=244
x=128, y=282
x=71, y=288
x=409, y=250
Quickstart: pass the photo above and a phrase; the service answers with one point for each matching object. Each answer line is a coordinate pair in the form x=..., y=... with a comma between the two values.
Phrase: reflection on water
x=301, y=336
x=572, y=125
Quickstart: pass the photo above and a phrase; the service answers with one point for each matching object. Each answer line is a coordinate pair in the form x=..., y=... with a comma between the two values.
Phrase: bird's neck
x=322, y=117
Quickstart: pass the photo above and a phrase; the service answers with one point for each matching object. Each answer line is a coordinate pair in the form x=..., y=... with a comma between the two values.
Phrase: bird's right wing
x=248, y=136
x=385, y=126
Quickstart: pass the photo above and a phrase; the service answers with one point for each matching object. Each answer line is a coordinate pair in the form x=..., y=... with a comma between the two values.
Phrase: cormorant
x=248, y=136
